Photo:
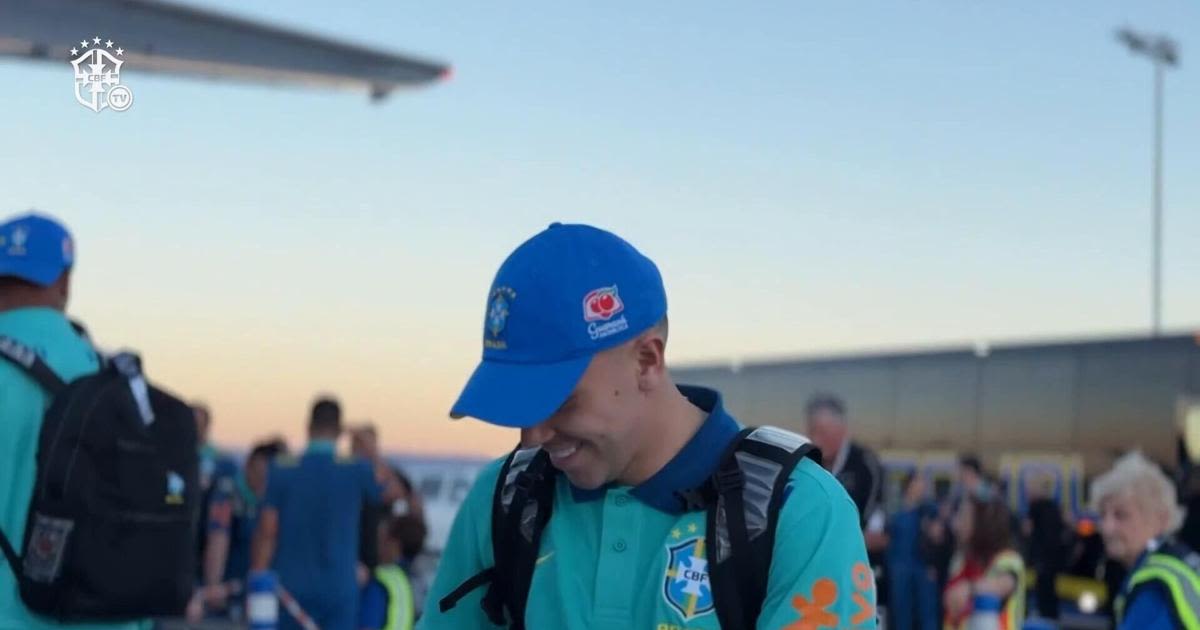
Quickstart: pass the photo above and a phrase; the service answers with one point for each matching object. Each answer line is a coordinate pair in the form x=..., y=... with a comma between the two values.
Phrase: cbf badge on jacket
x=686, y=586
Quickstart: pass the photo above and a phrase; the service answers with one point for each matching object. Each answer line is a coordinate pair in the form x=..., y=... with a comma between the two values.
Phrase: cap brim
x=518, y=395
x=41, y=275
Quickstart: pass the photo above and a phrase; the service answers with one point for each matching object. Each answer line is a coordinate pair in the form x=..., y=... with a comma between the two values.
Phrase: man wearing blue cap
x=36, y=257
x=574, y=339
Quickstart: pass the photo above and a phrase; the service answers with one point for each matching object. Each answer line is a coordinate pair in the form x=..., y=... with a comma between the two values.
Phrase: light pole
x=1162, y=52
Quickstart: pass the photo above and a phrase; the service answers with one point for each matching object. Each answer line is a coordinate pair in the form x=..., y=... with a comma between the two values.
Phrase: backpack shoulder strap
x=520, y=512
x=29, y=362
x=521, y=507
x=750, y=487
x=11, y=557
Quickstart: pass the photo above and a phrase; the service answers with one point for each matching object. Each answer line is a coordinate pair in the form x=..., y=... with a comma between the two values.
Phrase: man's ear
x=650, y=352
x=62, y=287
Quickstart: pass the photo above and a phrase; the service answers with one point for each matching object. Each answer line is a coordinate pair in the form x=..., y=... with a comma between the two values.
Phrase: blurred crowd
x=933, y=555
x=310, y=497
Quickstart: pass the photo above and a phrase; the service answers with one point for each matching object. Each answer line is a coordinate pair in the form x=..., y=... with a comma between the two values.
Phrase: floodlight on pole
x=1163, y=52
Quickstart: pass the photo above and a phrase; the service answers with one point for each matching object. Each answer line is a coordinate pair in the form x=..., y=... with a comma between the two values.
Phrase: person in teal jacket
x=37, y=255
x=574, y=340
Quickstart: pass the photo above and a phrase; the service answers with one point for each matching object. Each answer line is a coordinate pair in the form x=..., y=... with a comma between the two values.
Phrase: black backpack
x=111, y=525
x=742, y=500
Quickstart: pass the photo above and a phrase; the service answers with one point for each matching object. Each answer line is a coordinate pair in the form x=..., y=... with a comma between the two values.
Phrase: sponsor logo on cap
x=601, y=304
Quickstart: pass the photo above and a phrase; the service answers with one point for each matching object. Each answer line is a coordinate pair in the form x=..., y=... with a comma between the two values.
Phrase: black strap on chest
x=521, y=506
x=748, y=491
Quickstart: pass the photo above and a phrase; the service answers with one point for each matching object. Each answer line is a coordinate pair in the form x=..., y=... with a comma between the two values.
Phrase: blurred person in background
x=969, y=481
x=364, y=443
x=1189, y=496
x=972, y=482
x=1189, y=533
x=940, y=546
x=857, y=468
x=37, y=258
x=912, y=580
x=308, y=525
x=1046, y=532
x=391, y=598
x=987, y=563
x=232, y=518
x=1138, y=514
x=215, y=466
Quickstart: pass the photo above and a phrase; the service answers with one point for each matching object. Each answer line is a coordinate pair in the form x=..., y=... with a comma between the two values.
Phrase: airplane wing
x=167, y=37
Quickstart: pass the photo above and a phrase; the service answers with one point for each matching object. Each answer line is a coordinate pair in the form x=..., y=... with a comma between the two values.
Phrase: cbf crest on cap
x=35, y=248
x=497, y=317
x=537, y=340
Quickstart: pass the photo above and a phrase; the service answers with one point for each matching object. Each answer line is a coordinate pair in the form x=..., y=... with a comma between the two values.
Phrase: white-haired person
x=1138, y=514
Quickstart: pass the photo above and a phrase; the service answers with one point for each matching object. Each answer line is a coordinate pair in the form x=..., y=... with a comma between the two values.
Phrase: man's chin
x=585, y=481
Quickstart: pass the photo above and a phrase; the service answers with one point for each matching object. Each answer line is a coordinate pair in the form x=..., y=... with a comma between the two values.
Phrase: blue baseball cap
x=564, y=295
x=35, y=248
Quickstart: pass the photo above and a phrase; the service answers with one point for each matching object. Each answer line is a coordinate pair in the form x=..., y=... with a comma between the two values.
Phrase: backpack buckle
x=127, y=364
x=695, y=499
x=729, y=479
x=525, y=481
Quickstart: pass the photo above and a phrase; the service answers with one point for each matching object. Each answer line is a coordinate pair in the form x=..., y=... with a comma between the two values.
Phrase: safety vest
x=1177, y=570
x=1012, y=614
x=400, y=611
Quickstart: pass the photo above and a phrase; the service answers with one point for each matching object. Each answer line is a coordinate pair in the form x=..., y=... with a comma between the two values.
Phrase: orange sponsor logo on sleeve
x=864, y=594
x=814, y=609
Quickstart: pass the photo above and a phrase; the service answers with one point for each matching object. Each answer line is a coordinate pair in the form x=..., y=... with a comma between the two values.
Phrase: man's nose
x=536, y=435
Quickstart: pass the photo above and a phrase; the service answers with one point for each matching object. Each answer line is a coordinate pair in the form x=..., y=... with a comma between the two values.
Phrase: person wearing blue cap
x=574, y=338
x=37, y=255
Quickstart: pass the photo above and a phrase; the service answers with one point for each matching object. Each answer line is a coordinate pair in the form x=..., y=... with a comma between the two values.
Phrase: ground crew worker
x=987, y=563
x=37, y=256
x=574, y=355
x=1138, y=514
x=389, y=598
x=308, y=525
